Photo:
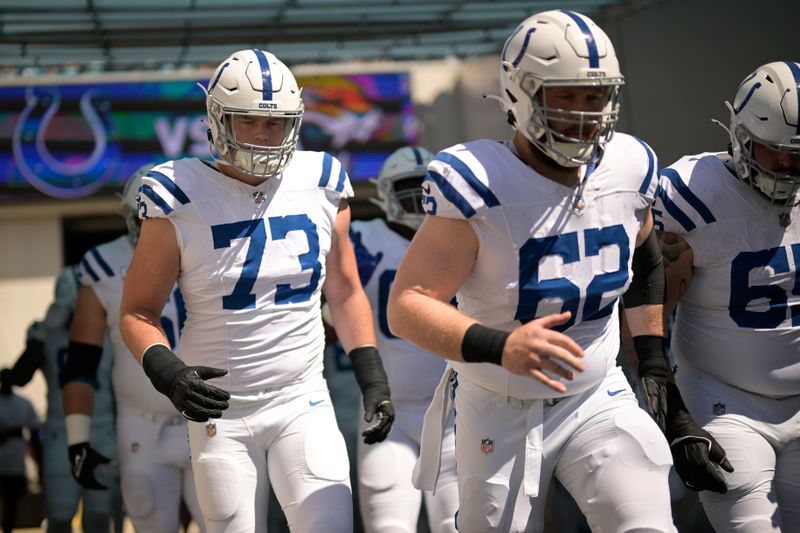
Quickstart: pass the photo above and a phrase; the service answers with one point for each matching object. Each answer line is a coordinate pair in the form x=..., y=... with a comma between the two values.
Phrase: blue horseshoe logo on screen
x=71, y=176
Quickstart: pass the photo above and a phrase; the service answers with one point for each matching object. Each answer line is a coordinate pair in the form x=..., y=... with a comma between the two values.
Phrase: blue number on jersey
x=242, y=297
x=532, y=290
x=384, y=287
x=742, y=293
x=280, y=227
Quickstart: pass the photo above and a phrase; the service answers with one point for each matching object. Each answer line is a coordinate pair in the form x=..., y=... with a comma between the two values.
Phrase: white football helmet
x=256, y=84
x=766, y=110
x=559, y=48
x=403, y=163
x=130, y=202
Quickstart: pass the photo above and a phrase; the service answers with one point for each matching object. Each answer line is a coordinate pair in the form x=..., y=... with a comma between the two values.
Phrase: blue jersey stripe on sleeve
x=102, y=262
x=651, y=160
x=170, y=185
x=155, y=198
x=451, y=194
x=89, y=270
x=327, y=161
x=675, y=211
x=342, y=174
x=459, y=166
x=688, y=195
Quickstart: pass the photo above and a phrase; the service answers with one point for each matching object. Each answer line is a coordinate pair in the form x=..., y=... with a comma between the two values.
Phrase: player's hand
x=184, y=385
x=698, y=457
x=374, y=385
x=535, y=350
x=654, y=390
x=195, y=399
x=384, y=412
x=83, y=459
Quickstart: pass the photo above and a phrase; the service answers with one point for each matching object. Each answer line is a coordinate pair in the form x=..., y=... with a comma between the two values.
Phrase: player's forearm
x=645, y=320
x=140, y=329
x=433, y=325
x=353, y=319
x=78, y=398
x=678, y=258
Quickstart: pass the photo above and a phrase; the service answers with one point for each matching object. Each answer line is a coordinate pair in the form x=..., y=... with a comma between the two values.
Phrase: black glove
x=184, y=385
x=83, y=459
x=654, y=372
x=374, y=387
x=696, y=454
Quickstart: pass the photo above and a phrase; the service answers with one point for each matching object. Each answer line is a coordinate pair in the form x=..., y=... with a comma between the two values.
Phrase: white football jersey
x=103, y=269
x=252, y=264
x=545, y=248
x=739, y=318
x=413, y=373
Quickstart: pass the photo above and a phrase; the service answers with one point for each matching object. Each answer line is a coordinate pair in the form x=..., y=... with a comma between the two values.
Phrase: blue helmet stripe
x=214, y=83
x=89, y=270
x=417, y=155
x=266, y=74
x=737, y=110
x=688, y=195
x=594, y=57
x=451, y=193
x=795, y=69
x=101, y=262
x=459, y=166
x=327, y=161
x=170, y=185
x=524, y=47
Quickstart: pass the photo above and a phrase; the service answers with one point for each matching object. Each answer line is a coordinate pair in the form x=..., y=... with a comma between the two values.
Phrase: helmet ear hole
x=510, y=118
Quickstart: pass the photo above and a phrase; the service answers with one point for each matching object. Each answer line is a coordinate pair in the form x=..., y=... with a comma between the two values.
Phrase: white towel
x=426, y=469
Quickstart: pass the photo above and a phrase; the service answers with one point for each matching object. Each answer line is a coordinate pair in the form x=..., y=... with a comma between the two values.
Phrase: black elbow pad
x=81, y=364
x=648, y=284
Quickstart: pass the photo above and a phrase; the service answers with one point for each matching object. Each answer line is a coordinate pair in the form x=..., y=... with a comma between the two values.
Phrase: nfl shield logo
x=719, y=408
x=487, y=446
x=785, y=219
x=211, y=429
x=134, y=447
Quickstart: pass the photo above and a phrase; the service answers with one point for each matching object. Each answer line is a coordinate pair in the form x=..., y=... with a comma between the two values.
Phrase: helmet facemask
x=779, y=187
x=260, y=161
x=594, y=128
x=402, y=206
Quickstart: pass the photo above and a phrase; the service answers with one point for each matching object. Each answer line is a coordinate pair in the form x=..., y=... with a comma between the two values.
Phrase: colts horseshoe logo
x=70, y=177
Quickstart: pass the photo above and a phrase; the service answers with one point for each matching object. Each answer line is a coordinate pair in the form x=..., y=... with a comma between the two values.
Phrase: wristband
x=162, y=366
x=78, y=427
x=483, y=345
x=651, y=356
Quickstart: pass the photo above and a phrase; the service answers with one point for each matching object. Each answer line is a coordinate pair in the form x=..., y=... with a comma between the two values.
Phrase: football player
x=539, y=237
x=155, y=468
x=46, y=349
x=388, y=500
x=731, y=239
x=253, y=239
